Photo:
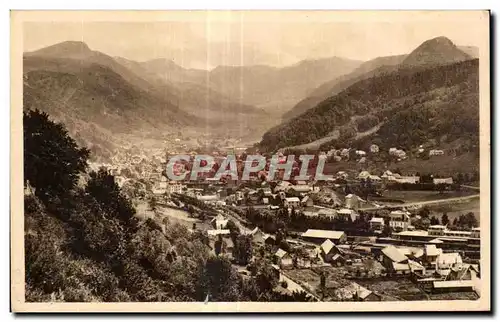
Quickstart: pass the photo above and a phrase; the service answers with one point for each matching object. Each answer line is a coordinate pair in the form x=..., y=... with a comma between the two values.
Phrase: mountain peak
x=436, y=51
x=64, y=49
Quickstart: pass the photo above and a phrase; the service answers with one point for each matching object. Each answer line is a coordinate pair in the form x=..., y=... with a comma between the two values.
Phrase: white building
x=363, y=175
x=442, y=180
x=436, y=152
x=292, y=202
x=399, y=220
x=377, y=223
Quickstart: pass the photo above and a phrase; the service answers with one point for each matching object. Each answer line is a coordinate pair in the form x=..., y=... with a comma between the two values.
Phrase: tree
x=218, y=245
x=153, y=203
x=52, y=159
x=445, y=220
x=265, y=276
x=322, y=284
x=219, y=281
x=242, y=251
x=424, y=212
x=107, y=193
x=468, y=220
x=387, y=231
x=434, y=221
x=234, y=230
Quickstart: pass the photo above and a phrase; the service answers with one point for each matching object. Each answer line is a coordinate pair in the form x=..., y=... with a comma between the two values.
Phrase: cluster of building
x=432, y=265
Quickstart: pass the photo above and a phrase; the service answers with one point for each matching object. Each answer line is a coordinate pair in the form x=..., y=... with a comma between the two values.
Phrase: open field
x=174, y=215
x=454, y=210
x=401, y=289
x=440, y=165
x=415, y=196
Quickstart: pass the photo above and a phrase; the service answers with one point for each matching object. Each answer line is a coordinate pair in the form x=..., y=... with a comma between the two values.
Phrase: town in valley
x=386, y=209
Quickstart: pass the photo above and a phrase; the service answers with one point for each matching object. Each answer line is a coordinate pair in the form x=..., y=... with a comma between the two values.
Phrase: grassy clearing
x=454, y=210
x=415, y=196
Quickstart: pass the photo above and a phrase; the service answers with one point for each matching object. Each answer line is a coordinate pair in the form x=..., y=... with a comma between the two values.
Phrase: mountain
x=190, y=91
x=164, y=94
x=72, y=54
x=436, y=51
x=98, y=99
x=367, y=69
x=274, y=89
x=405, y=108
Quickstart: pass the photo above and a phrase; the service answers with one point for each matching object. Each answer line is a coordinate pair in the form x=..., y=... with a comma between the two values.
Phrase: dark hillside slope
x=371, y=68
x=383, y=97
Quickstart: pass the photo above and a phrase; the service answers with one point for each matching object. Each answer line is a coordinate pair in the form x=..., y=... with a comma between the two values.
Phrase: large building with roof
x=319, y=236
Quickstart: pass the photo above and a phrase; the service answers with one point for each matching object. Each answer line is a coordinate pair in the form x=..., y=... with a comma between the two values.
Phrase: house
x=319, y=236
x=476, y=233
x=307, y=201
x=453, y=286
x=416, y=267
x=219, y=222
x=374, y=148
x=269, y=240
x=436, y=152
x=208, y=198
x=355, y=292
x=292, y=202
x=217, y=232
x=431, y=253
x=347, y=214
x=446, y=261
x=360, y=153
x=352, y=201
x=283, y=259
x=386, y=175
x=257, y=235
x=363, y=175
x=407, y=179
x=374, y=178
x=326, y=212
x=399, y=220
x=282, y=186
x=160, y=189
x=342, y=175
x=328, y=250
x=362, y=160
x=392, y=255
x=377, y=223
x=299, y=190
x=442, y=180
x=266, y=192
x=345, y=153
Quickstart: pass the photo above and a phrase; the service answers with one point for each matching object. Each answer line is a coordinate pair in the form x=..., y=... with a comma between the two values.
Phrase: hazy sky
x=207, y=39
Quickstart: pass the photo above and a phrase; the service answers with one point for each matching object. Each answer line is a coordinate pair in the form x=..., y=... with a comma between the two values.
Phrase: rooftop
x=394, y=254
x=327, y=246
x=446, y=284
x=215, y=232
x=280, y=253
x=327, y=234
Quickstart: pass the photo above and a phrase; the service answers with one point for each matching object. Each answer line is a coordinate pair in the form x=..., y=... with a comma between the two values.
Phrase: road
x=293, y=286
x=424, y=203
x=470, y=187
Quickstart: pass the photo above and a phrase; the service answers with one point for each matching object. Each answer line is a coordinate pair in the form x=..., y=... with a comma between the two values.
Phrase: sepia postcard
x=250, y=161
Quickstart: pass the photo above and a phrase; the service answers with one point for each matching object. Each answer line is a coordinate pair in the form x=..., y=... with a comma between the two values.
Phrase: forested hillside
x=84, y=242
x=411, y=105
